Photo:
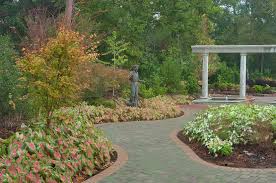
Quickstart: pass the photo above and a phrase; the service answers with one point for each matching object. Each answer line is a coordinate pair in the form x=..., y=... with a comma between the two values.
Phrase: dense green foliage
x=42, y=154
x=220, y=128
x=157, y=35
x=9, y=92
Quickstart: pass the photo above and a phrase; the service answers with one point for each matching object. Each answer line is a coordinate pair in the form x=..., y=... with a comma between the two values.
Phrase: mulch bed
x=244, y=156
x=81, y=177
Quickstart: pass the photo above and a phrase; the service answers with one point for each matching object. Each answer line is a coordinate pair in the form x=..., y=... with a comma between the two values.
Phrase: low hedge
x=220, y=128
x=71, y=146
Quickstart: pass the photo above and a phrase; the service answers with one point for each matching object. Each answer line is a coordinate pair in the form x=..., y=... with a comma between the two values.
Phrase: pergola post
x=205, y=76
x=243, y=76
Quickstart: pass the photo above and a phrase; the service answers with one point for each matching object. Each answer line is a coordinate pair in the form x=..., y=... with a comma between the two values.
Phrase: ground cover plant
x=220, y=129
x=71, y=146
x=156, y=108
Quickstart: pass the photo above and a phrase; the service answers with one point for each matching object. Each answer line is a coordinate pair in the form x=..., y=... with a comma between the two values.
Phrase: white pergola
x=243, y=50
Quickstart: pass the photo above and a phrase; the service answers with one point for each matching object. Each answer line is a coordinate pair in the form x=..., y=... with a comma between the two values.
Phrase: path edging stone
x=192, y=155
x=122, y=158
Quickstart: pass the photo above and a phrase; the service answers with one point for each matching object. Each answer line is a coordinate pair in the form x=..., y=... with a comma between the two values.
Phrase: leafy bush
x=191, y=85
x=219, y=128
x=146, y=92
x=225, y=74
x=99, y=80
x=225, y=78
x=266, y=75
x=8, y=77
x=261, y=89
x=104, y=102
x=50, y=74
x=225, y=86
x=171, y=71
x=41, y=154
x=153, y=87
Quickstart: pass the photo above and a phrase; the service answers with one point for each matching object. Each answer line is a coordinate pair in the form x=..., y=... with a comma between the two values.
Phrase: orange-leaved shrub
x=50, y=74
x=98, y=80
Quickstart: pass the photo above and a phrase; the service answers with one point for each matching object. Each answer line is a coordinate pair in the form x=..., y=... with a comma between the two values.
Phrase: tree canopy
x=155, y=34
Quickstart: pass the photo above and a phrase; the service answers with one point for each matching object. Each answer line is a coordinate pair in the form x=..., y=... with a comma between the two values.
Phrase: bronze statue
x=134, y=78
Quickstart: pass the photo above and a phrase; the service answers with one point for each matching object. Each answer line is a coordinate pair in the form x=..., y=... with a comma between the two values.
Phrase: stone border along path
x=121, y=160
x=153, y=157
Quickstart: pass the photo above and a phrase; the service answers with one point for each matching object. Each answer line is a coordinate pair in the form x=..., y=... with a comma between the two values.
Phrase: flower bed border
x=192, y=155
x=122, y=158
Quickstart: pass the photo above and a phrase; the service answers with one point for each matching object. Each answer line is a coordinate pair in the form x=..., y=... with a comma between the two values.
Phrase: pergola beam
x=234, y=49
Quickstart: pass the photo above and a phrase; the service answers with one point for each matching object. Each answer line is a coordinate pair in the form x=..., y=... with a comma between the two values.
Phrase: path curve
x=153, y=157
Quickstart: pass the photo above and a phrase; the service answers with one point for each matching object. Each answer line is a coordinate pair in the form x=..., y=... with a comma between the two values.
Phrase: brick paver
x=154, y=158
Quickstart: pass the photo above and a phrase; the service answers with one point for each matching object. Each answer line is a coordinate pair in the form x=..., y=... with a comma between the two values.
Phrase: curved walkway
x=154, y=158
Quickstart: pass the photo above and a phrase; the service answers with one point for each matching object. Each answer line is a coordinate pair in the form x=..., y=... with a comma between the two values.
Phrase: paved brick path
x=155, y=158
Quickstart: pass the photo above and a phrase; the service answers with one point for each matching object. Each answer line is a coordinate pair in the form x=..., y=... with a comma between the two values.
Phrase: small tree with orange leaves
x=51, y=74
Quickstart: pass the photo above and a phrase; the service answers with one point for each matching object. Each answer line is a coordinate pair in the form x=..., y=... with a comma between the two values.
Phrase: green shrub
x=157, y=86
x=9, y=75
x=258, y=88
x=191, y=85
x=225, y=86
x=171, y=71
x=152, y=87
x=104, y=102
x=146, y=92
x=226, y=74
x=261, y=75
x=261, y=89
x=219, y=128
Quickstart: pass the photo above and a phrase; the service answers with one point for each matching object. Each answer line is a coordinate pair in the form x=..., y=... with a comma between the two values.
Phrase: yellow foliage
x=50, y=74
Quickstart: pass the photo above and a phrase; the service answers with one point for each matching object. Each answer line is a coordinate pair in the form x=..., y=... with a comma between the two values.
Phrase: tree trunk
x=114, y=68
x=69, y=13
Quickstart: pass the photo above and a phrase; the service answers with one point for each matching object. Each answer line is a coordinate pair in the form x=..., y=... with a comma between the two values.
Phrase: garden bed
x=157, y=108
x=242, y=135
x=71, y=145
x=244, y=156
